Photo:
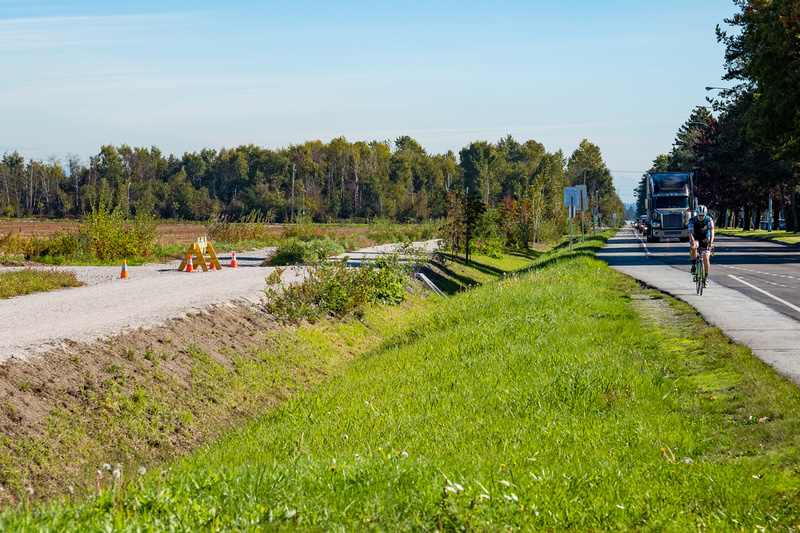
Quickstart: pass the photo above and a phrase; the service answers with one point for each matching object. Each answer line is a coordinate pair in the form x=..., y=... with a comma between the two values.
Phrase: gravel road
x=153, y=294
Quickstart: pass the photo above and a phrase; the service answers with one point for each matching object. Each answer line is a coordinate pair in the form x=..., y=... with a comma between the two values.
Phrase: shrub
x=108, y=236
x=331, y=288
x=491, y=247
x=295, y=251
x=550, y=231
x=103, y=235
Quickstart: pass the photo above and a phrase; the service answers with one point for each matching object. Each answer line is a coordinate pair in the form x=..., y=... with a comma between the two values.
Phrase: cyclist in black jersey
x=701, y=237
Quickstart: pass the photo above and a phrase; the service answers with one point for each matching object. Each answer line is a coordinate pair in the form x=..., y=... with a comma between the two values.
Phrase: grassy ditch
x=564, y=398
x=28, y=280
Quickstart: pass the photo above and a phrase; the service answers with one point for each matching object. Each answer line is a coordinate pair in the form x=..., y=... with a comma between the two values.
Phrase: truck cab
x=670, y=204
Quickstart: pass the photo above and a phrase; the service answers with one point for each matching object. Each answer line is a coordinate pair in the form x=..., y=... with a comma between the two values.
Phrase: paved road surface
x=765, y=271
x=772, y=335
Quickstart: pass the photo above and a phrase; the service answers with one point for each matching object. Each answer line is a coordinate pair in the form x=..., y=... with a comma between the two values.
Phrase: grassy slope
x=545, y=401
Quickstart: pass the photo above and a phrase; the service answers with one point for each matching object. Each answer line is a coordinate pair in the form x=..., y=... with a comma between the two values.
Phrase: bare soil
x=81, y=391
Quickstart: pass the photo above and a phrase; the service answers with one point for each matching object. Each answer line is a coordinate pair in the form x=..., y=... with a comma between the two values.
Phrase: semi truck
x=670, y=204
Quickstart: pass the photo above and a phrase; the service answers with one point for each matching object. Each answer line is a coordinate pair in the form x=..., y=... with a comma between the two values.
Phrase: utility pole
x=587, y=203
x=294, y=168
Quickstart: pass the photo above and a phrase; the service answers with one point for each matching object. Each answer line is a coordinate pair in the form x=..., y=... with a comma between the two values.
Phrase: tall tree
x=682, y=155
x=586, y=166
x=479, y=163
x=766, y=56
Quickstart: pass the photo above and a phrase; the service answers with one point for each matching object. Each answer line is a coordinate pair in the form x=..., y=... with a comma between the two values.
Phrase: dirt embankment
x=141, y=398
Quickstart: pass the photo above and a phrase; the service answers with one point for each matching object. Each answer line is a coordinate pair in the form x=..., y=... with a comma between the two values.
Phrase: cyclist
x=701, y=236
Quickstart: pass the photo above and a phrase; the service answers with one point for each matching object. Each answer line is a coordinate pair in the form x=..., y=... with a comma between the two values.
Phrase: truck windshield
x=672, y=202
x=669, y=183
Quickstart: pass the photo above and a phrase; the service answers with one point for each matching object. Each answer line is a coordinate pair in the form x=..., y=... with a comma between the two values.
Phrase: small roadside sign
x=584, y=204
x=572, y=197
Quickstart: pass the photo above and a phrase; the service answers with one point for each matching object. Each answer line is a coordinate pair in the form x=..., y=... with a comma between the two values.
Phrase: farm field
x=169, y=233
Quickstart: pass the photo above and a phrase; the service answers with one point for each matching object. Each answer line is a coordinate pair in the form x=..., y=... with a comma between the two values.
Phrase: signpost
x=575, y=198
x=584, y=204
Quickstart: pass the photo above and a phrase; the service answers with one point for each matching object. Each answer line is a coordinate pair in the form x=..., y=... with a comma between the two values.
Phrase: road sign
x=572, y=196
x=584, y=204
x=576, y=196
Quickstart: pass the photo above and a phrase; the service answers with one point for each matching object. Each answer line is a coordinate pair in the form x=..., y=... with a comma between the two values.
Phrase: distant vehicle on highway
x=643, y=224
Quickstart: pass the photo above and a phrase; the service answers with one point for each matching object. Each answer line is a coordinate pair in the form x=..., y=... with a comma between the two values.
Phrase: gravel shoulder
x=153, y=294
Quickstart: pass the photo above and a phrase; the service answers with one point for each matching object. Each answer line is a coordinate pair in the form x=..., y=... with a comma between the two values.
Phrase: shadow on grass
x=455, y=274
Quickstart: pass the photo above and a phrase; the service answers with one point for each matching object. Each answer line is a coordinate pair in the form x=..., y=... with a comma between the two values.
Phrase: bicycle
x=699, y=276
x=700, y=273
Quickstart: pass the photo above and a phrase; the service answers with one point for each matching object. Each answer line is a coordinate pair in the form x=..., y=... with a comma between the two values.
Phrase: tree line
x=749, y=153
x=338, y=180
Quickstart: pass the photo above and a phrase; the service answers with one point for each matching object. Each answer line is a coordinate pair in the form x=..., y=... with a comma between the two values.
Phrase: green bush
x=331, y=288
x=108, y=236
x=103, y=235
x=551, y=232
x=296, y=251
x=491, y=247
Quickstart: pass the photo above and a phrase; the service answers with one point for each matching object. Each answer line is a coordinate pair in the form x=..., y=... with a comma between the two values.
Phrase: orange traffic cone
x=189, y=266
x=233, y=260
x=124, y=273
x=211, y=265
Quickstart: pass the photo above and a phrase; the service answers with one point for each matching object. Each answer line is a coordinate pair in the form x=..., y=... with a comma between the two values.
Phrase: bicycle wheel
x=701, y=275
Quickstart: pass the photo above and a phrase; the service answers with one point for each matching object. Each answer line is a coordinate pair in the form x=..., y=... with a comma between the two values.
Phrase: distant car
x=765, y=224
x=643, y=225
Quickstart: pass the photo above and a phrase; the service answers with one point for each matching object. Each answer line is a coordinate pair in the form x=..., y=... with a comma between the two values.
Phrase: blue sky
x=188, y=75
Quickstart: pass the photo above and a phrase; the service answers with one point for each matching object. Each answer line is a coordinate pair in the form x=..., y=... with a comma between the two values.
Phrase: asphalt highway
x=752, y=296
x=765, y=271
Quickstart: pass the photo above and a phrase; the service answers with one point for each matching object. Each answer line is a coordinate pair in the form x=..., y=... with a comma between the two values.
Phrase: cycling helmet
x=702, y=210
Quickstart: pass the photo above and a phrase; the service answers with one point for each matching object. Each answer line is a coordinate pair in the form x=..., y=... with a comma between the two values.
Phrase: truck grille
x=672, y=221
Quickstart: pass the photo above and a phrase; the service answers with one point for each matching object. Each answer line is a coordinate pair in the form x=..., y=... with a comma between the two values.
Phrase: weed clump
x=296, y=251
x=331, y=288
x=26, y=281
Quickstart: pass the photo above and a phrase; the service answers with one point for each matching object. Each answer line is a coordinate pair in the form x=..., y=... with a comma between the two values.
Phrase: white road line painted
x=784, y=302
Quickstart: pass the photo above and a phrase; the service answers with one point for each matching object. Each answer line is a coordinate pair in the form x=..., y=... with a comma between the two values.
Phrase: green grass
x=453, y=274
x=786, y=237
x=564, y=398
x=26, y=281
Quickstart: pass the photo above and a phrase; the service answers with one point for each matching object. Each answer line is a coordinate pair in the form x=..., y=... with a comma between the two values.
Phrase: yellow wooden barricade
x=199, y=260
